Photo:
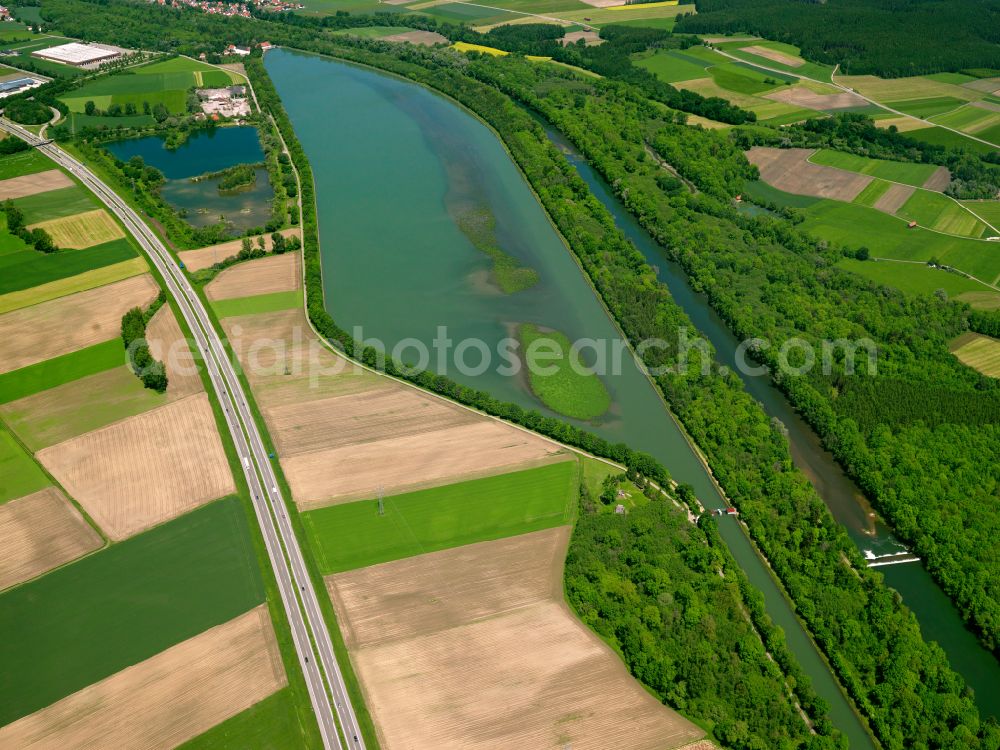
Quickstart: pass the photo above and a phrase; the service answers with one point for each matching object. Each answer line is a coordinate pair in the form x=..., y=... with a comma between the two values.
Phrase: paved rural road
x=309, y=631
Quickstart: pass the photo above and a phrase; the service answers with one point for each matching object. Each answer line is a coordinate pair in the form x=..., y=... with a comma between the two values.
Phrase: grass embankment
x=570, y=388
x=479, y=226
x=354, y=535
x=142, y=595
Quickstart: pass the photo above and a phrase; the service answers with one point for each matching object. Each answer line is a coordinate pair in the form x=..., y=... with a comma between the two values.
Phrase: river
x=387, y=156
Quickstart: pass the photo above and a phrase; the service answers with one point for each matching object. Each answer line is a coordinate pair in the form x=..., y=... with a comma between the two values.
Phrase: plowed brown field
x=146, y=469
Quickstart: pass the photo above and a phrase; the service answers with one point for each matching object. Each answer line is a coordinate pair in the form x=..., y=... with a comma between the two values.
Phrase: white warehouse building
x=78, y=54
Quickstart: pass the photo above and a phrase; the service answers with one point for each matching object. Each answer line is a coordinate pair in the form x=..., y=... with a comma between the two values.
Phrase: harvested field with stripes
x=774, y=55
x=979, y=352
x=146, y=469
x=82, y=230
x=206, y=257
x=803, y=97
x=39, y=532
x=274, y=273
x=40, y=332
x=30, y=184
x=168, y=344
x=473, y=647
x=788, y=169
x=938, y=180
x=167, y=699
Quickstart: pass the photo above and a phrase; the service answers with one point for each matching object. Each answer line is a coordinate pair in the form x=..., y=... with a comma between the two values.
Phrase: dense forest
x=766, y=279
x=889, y=38
x=670, y=604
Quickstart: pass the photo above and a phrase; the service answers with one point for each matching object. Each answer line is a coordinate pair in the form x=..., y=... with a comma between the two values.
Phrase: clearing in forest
x=979, y=352
x=474, y=647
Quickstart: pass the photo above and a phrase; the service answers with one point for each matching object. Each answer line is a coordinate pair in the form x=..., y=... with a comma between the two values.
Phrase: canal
x=939, y=619
x=391, y=161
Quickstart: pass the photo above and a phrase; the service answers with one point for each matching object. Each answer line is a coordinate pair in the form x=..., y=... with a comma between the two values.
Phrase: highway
x=309, y=631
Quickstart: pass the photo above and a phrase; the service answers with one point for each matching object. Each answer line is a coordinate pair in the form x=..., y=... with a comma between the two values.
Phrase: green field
x=569, y=390
x=941, y=213
x=470, y=14
x=989, y=210
x=261, y=303
x=649, y=23
x=354, y=535
x=84, y=622
x=372, y=32
x=28, y=267
x=269, y=725
x=894, y=171
x=872, y=192
x=58, y=370
x=84, y=405
x=79, y=121
x=951, y=139
x=672, y=66
x=19, y=475
x=914, y=278
x=56, y=204
x=927, y=107
x=888, y=237
x=742, y=80
x=164, y=83
x=25, y=162
x=762, y=191
x=969, y=119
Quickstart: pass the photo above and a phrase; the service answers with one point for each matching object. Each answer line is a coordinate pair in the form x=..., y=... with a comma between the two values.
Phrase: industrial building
x=78, y=55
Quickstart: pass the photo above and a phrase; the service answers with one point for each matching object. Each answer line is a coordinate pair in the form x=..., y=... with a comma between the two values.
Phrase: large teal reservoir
x=394, y=164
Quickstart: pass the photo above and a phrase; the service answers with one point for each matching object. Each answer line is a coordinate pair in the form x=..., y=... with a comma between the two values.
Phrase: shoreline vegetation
x=479, y=226
x=570, y=390
x=235, y=179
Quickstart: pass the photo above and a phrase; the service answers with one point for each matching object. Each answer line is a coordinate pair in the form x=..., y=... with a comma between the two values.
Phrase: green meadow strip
x=59, y=370
x=355, y=535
